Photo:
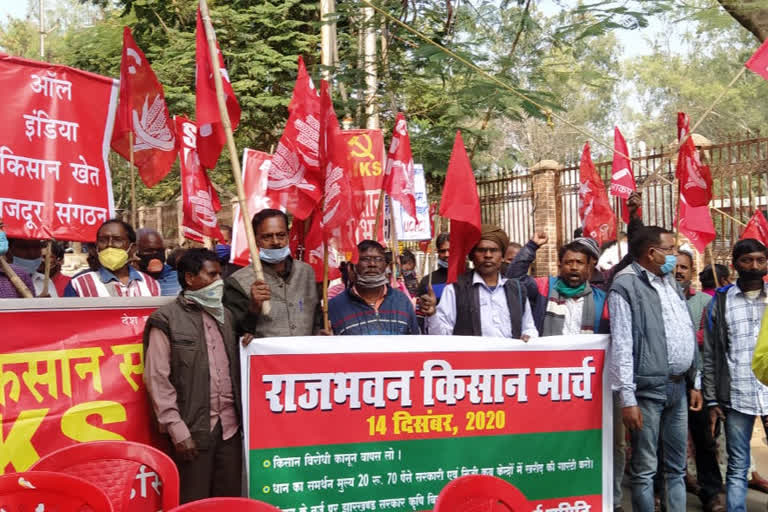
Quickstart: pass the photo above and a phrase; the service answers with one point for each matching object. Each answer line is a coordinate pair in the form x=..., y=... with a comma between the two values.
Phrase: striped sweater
x=350, y=315
x=103, y=283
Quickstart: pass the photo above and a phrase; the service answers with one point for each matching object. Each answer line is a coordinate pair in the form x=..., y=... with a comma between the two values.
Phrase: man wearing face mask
x=288, y=284
x=370, y=305
x=110, y=275
x=654, y=353
x=151, y=253
x=731, y=391
x=28, y=254
x=439, y=276
x=192, y=373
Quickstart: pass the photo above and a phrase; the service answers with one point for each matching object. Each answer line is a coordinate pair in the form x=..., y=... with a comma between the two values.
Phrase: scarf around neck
x=554, y=316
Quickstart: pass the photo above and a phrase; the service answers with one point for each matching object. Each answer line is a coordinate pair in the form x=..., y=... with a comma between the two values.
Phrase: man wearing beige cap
x=482, y=302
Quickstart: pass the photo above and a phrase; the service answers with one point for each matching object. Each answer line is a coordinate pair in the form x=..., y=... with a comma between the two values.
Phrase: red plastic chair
x=228, y=504
x=120, y=469
x=481, y=493
x=44, y=490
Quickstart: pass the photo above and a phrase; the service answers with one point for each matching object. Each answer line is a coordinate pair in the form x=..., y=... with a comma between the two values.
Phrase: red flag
x=461, y=204
x=313, y=248
x=694, y=177
x=758, y=62
x=255, y=170
x=695, y=222
x=211, y=138
x=336, y=208
x=200, y=202
x=142, y=110
x=757, y=228
x=595, y=210
x=622, y=179
x=399, y=174
x=295, y=178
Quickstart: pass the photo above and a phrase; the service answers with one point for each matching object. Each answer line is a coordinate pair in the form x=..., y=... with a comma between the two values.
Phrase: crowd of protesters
x=680, y=358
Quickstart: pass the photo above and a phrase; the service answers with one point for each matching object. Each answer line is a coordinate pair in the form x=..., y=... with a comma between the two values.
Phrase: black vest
x=468, y=306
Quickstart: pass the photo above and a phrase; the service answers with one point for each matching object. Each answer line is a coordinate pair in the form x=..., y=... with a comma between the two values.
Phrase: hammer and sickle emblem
x=361, y=149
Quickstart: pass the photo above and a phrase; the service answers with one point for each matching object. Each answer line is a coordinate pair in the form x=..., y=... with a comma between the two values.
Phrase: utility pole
x=370, y=70
x=42, y=29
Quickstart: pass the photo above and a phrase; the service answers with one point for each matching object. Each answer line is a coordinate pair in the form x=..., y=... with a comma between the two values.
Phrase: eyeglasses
x=665, y=249
x=492, y=250
x=378, y=260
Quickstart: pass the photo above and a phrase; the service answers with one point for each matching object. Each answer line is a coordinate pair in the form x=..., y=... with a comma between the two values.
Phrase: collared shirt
x=163, y=394
x=103, y=283
x=377, y=301
x=678, y=329
x=168, y=281
x=7, y=290
x=39, y=281
x=494, y=312
x=743, y=316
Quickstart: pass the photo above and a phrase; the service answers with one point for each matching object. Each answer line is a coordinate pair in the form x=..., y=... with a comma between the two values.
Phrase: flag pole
x=379, y=215
x=618, y=229
x=133, y=180
x=436, y=222
x=393, y=239
x=326, y=322
x=47, y=280
x=236, y=172
x=712, y=265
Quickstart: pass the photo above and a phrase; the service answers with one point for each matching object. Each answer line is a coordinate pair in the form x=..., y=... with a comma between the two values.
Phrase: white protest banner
x=406, y=227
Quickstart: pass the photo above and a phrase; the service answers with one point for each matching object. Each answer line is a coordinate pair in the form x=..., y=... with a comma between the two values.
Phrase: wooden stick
x=618, y=229
x=326, y=322
x=133, y=181
x=712, y=265
x=379, y=215
x=437, y=223
x=47, y=279
x=15, y=279
x=236, y=172
x=393, y=241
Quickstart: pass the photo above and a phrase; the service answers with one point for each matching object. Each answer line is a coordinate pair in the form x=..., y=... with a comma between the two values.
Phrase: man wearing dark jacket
x=192, y=372
x=440, y=275
x=653, y=354
x=731, y=391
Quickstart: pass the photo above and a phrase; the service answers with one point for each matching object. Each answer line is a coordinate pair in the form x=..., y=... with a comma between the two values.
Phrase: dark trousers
x=707, y=471
x=215, y=472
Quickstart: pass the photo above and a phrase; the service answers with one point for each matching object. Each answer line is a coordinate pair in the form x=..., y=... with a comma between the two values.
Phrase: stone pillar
x=547, y=215
x=179, y=220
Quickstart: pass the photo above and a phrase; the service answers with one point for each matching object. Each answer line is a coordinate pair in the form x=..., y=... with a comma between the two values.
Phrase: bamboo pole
x=47, y=278
x=236, y=172
x=437, y=223
x=133, y=180
x=393, y=240
x=379, y=216
x=326, y=322
x=15, y=279
x=712, y=265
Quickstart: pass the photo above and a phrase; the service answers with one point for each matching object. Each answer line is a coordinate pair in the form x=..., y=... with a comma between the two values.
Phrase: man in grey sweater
x=288, y=284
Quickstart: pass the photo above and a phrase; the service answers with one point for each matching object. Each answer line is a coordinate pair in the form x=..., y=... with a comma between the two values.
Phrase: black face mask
x=145, y=259
x=752, y=275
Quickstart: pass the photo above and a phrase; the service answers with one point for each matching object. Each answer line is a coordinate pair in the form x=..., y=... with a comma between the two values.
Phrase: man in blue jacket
x=371, y=305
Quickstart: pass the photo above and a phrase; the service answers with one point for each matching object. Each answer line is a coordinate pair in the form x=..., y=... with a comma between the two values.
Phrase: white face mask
x=209, y=298
x=442, y=263
x=274, y=255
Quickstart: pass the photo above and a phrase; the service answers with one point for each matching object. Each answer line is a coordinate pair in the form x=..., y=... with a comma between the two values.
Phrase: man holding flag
x=288, y=283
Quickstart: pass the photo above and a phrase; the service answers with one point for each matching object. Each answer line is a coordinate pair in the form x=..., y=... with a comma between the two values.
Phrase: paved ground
x=756, y=501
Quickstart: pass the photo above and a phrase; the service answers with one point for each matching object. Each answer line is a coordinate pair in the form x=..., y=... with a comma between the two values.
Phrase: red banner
x=365, y=159
x=54, y=172
x=77, y=380
x=200, y=202
x=256, y=166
